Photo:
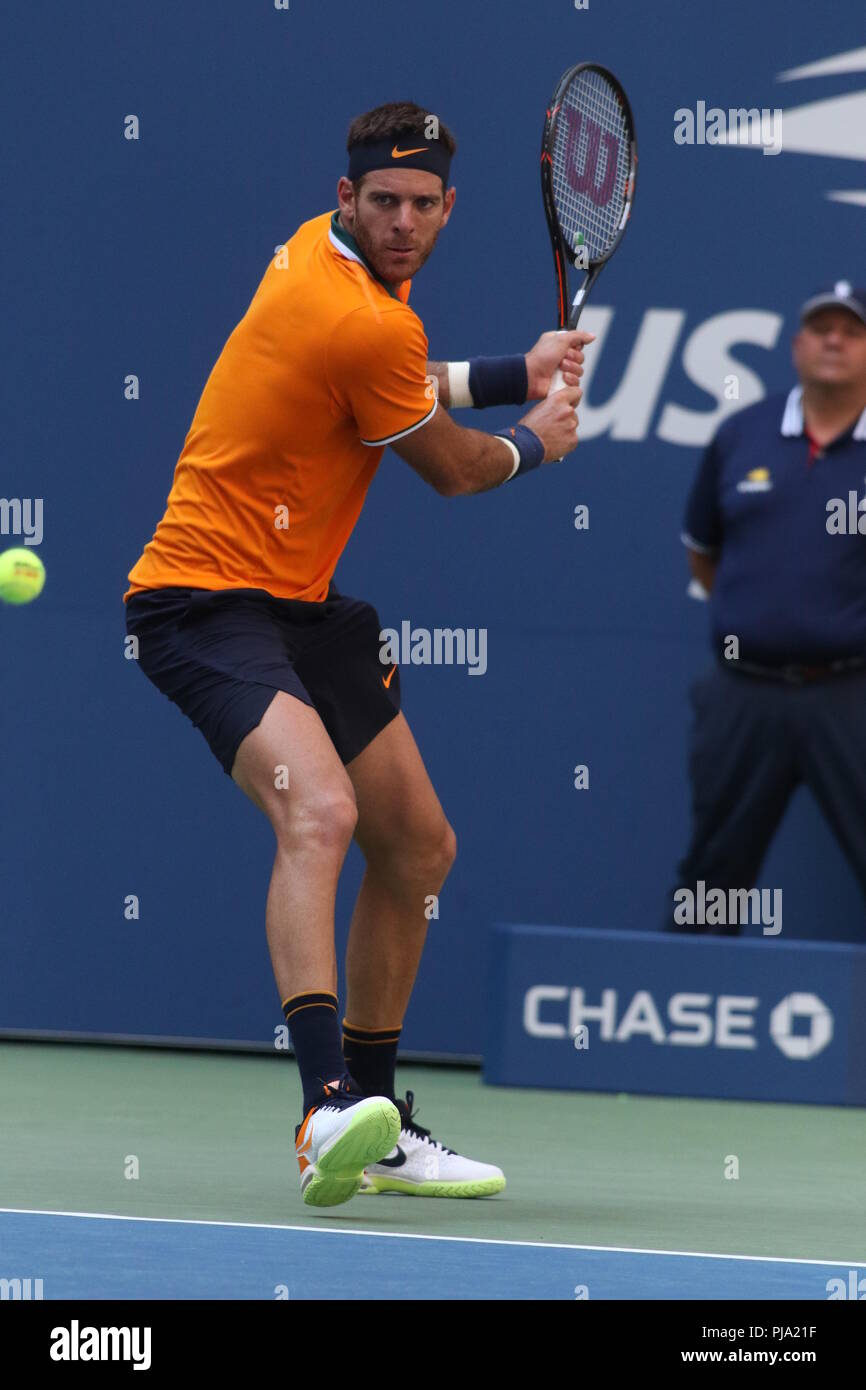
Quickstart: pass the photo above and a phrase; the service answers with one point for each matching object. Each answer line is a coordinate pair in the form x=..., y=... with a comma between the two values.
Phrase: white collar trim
x=343, y=249
x=792, y=417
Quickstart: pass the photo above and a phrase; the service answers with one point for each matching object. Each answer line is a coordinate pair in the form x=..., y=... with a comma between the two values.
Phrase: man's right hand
x=555, y=422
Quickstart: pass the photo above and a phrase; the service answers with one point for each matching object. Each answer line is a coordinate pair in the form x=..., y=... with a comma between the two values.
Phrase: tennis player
x=240, y=624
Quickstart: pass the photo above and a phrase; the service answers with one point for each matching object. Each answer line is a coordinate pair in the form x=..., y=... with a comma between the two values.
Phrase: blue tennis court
x=607, y=1197
x=94, y=1256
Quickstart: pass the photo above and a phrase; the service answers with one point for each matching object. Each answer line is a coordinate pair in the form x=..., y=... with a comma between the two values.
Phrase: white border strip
x=792, y=417
x=343, y=249
x=389, y=439
x=410, y=1235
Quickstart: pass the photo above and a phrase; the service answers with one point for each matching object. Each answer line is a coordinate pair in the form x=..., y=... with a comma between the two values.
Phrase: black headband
x=410, y=152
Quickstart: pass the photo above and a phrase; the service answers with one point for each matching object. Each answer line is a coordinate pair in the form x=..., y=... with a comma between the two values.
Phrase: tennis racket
x=588, y=172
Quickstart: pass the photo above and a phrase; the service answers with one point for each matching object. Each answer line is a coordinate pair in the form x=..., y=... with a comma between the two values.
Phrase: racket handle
x=556, y=384
x=558, y=380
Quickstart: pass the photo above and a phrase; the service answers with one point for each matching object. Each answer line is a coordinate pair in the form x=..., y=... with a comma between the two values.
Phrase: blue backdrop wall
x=140, y=256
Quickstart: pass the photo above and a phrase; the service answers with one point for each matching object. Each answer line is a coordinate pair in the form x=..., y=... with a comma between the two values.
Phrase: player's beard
x=372, y=252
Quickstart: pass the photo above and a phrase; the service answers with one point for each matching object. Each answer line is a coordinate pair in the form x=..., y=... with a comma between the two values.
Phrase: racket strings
x=590, y=166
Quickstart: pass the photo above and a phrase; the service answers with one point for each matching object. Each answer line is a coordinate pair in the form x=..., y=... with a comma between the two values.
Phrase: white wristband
x=458, y=385
x=516, y=452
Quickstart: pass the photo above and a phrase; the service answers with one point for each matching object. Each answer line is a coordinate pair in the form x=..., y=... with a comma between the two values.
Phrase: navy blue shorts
x=221, y=655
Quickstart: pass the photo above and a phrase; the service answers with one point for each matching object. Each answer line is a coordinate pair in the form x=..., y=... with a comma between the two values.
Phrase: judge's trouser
x=754, y=739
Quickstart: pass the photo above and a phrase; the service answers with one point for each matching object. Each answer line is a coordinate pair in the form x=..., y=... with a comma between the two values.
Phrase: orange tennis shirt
x=327, y=366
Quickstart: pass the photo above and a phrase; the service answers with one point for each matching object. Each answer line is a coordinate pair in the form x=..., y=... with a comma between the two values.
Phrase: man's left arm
x=563, y=350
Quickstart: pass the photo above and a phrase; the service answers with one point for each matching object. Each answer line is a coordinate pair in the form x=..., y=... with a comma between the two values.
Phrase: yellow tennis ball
x=22, y=575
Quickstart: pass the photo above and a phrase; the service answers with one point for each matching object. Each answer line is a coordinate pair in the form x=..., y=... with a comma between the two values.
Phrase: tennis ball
x=22, y=575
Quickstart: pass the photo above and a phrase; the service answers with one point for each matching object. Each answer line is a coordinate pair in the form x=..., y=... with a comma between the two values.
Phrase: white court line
x=409, y=1235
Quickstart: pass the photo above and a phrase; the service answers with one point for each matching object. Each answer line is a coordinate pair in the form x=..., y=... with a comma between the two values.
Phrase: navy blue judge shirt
x=791, y=590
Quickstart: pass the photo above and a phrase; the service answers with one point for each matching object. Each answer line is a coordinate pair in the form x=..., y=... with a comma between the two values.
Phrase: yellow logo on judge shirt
x=756, y=480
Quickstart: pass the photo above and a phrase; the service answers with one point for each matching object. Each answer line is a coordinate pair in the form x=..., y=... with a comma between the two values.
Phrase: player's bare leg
x=313, y=819
x=313, y=814
x=409, y=848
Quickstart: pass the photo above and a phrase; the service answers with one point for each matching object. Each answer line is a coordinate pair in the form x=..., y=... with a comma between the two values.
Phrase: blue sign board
x=589, y=1009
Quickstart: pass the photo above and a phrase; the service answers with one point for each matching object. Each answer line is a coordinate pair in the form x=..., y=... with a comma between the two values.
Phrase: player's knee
x=426, y=855
x=448, y=848
x=329, y=820
x=323, y=822
x=436, y=855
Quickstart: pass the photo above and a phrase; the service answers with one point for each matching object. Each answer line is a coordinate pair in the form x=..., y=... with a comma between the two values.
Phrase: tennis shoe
x=339, y=1136
x=420, y=1166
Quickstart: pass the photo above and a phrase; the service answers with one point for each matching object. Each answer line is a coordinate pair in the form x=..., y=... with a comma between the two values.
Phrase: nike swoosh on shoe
x=396, y=1162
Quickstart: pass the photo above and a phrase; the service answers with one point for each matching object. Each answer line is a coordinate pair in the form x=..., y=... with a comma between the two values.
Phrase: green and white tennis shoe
x=419, y=1166
x=339, y=1135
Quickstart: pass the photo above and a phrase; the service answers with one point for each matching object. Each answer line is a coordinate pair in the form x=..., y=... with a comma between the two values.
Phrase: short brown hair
x=396, y=120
